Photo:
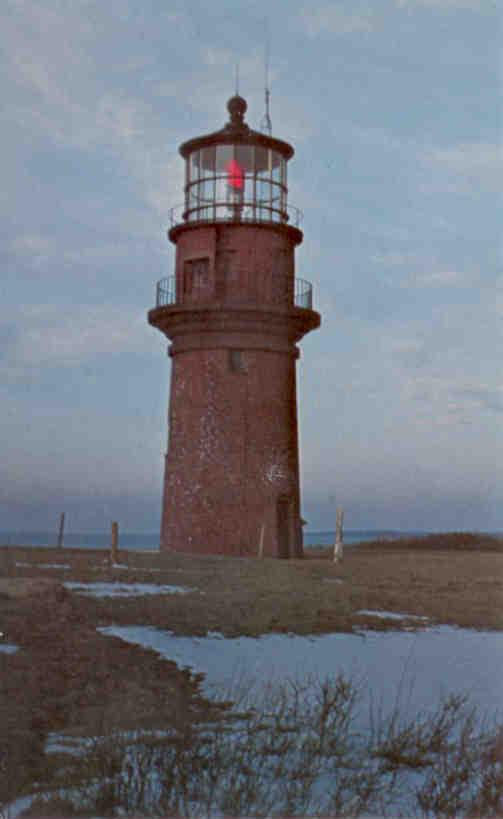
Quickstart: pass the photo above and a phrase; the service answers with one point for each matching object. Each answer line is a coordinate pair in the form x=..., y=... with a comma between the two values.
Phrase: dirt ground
x=68, y=678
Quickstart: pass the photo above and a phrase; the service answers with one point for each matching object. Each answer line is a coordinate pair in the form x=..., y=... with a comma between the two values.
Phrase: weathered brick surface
x=233, y=441
x=232, y=451
x=246, y=262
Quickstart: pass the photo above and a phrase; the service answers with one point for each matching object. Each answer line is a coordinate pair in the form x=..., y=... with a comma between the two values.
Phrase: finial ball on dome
x=236, y=107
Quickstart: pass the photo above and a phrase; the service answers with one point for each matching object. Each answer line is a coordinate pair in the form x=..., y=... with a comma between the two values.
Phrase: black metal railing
x=166, y=294
x=245, y=212
x=303, y=294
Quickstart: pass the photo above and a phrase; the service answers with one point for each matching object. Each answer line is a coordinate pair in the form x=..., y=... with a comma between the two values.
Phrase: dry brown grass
x=69, y=677
x=436, y=577
x=450, y=541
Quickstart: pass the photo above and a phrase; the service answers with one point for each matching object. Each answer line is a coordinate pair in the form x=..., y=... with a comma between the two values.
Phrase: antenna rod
x=237, y=79
x=266, y=124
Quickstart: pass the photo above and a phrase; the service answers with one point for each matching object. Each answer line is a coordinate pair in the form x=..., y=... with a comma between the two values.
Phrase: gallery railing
x=166, y=293
x=229, y=212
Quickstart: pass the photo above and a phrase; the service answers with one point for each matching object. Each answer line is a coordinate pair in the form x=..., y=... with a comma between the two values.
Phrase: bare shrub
x=305, y=751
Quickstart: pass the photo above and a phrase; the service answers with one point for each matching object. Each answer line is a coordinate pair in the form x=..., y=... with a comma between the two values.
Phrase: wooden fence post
x=61, y=530
x=261, y=541
x=339, y=534
x=114, y=549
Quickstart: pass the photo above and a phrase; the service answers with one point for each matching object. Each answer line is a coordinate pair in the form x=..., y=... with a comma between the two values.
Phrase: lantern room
x=236, y=174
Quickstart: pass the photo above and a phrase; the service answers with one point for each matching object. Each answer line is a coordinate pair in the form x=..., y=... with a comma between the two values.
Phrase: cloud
x=481, y=395
x=446, y=5
x=39, y=251
x=46, y=336
x=440, y=278
x=421, y=272
x=32, y=245
x=436, y=278
x=446, y=400
x=412, y=353
x=472, y=163
x=333, y=20
x=51, y=449
x=55, y=62
x=394, y=258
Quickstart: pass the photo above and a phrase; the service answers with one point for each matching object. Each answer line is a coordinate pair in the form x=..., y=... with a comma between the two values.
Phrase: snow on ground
x=124, y=589
x=411, y=670
x=44, y=565
x=17, y=807
x=8, y=648
x=77, y=745
x=391, y=615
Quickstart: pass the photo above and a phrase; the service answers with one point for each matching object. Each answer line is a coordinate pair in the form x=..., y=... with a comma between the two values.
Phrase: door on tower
x=283, y=518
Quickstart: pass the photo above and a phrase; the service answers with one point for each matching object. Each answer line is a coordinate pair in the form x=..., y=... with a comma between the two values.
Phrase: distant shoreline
x=131, y=541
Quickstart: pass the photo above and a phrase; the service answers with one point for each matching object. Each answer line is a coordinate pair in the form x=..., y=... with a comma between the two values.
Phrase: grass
x=445, y=541
x=69, y=678
x=437, y=577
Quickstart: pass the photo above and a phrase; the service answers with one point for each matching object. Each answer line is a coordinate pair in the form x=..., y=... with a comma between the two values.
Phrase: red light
x=235, y=175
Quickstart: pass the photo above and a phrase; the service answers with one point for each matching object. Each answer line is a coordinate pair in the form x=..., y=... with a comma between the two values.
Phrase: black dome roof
x=236, y=131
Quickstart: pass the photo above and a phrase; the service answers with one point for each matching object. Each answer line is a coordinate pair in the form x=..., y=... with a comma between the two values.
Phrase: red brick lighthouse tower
x=234, y=313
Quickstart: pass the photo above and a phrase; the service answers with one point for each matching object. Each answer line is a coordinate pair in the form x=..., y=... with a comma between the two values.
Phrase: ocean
x=149, y=542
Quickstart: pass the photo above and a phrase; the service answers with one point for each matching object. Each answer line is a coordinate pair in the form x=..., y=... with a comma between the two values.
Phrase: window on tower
x=196, y=275
x=236, y=361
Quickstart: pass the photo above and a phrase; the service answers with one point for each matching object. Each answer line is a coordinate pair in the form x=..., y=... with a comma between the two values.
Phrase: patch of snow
x=124, y=589
x=414, y=670
x=18, y=806
x=391, y=615
x=8, y=648
x=62, y=744
x=133, y=568
x=77, y=746
x=43, y=565
x=54, y=566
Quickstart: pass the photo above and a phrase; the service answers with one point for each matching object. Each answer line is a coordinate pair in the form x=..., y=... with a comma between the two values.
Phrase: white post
x=339, y=535
x=261, y=542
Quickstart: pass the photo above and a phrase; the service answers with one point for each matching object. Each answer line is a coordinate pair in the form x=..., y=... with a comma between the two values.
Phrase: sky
x=394, y=110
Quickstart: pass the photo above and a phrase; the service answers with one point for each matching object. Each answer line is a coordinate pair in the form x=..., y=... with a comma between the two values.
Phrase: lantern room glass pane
x=194, y=166
x=261, y=161
x=276, y=166
x=224, y=155
x=193, y=198
x=206, y=190
x=244, y=158
x=220, y=189
x=263, y=191
x=208, y=162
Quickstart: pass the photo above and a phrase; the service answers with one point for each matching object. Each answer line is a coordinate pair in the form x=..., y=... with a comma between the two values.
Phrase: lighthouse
x=234, y=313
